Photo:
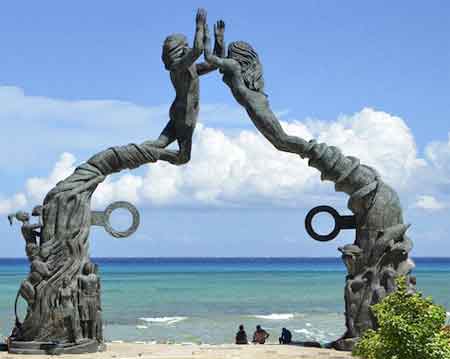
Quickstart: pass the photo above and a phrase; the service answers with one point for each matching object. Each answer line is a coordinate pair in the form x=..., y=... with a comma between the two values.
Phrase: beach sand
x=191, y=351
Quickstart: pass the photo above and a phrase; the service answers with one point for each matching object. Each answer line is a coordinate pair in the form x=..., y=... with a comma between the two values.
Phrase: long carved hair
x=173, y=50
x=247, y=57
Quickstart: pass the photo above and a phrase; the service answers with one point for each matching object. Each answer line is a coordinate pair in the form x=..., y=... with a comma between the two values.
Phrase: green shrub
x=410, y=327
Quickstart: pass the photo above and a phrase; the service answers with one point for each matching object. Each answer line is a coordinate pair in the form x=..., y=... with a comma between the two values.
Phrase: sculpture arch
x=63, y=288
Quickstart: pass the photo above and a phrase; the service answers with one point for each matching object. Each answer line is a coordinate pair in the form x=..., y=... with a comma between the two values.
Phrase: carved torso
x=185, y=107
x=66, y=298
x=89, y=285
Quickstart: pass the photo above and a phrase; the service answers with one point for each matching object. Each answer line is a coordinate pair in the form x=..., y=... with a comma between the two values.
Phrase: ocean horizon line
x=232, y=257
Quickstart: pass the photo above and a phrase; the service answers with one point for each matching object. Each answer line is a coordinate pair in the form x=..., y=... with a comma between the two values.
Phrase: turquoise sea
x=205, y=299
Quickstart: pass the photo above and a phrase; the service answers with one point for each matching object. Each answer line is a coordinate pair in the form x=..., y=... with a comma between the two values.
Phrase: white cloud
x=245, y=169
x=46, y=126
x=429, y=203
x=10, y=205
x=127, y=187
x=37, y=187
x=438, y=153
x=379, y=139
x=228, y=167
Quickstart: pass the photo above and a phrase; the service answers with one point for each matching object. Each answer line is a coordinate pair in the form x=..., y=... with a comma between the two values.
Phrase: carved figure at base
x=88, y=300
x=98, y=318
x=66, y=302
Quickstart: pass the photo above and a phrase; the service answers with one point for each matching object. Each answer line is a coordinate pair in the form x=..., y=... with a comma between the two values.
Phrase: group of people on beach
x=260, y=336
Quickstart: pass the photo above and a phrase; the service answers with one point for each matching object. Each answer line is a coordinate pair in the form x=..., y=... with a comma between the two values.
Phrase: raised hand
x=219, y=42
x=219, y=30
x=200, y=19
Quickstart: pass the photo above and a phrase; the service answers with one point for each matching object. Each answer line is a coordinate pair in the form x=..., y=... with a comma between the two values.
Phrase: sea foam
x=303, y=331
x=311, y=334
x=275, y=316
x=163, y=320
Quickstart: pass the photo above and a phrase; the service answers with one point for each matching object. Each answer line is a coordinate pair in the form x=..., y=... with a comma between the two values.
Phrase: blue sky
x=78, y=77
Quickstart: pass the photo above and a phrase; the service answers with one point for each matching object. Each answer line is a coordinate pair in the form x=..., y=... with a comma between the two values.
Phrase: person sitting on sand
x=260, y=335
x=286, y=336
x=241, y=336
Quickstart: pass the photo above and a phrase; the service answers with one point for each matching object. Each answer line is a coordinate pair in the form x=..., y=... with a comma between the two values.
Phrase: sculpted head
x=65, y=283
x=89, y=268
x=34, y=278
x=32, y=251
x=21, y=216
x=350, y=257
x=37, y=211
x=251, y=67
x=174, y=47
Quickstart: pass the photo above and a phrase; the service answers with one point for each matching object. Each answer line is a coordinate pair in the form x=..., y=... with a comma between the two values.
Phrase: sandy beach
x=188, y=351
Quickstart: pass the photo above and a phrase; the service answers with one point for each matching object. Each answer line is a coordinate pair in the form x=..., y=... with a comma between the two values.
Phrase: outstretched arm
x=193, y=54
x=219, y=48
x=227, y=65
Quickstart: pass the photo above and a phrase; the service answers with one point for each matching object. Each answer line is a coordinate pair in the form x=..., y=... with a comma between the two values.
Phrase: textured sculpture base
x=49, y=348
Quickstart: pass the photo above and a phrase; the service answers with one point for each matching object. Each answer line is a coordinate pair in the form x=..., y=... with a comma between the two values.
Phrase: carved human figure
x=179, y=59
x=28, y=292
x=88, y=294
x=98, y=319
x=37, y=264
x=27, y=288
x=66, y=301
x=38, y=269
x=242, y=73
x=29, y=230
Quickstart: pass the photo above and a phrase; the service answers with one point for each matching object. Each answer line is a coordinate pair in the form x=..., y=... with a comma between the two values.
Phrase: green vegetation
x=410, y=327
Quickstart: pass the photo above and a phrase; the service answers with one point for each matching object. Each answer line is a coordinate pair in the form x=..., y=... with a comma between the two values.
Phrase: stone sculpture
x=89, y=300
x=62, y=290
x=29, y=230
x=380, y=251
x=66, y=303
x=60, y=263
x=179, y=59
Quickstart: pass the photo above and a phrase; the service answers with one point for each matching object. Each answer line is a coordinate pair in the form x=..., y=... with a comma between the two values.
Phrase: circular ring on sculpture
x=134, y=213
x=322, y=237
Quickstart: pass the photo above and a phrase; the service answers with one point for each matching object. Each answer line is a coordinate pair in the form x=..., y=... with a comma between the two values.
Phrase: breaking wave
x=276, y=316
x=163, y=320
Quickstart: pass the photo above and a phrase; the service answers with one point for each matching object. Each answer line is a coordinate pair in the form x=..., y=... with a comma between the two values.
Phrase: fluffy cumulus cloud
x=9, y=205
x=240, y=167
x=46, y=126
x=37, y=187
x=429, y=203
x=232, y=164
x=438, y=153
x=379, y=139
x=244, y=168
